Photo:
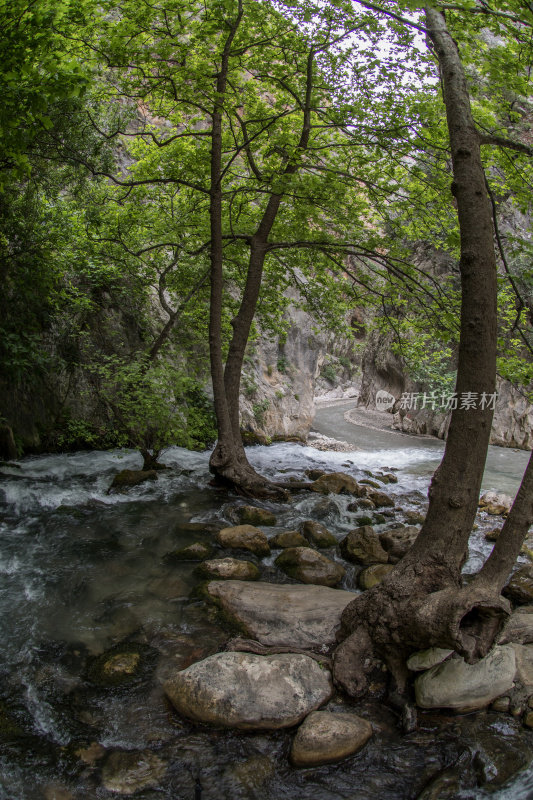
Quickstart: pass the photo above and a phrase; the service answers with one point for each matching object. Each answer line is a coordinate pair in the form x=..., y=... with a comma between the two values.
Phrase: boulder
x=363, y=547
x=244, y=537
x=425, y=659
x=519, y=627
x=127, y=478
x=397, y=541
x=494, y=500
x=466, y=687
x=252, y=515
x=250, y=692
x=283, y=615
x=229, y=569
x=371, y=576
x=524, y=666
x=288, y=539
x=317, y=534
x=380, y=499
x=362, y=502
x=520, y=587
x=325, y=737
x=129, y=772
x=337, y=483
x=306, y=565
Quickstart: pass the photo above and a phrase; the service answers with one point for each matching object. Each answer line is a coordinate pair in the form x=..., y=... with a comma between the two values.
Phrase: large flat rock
x=250, y=692
x=275, y=614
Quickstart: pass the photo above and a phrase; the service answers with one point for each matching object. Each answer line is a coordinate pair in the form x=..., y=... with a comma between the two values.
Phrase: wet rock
x=494, y=500
x=414, y=517
x=425, y=659
x=371, y=576
x=169, y=587
x=90, y=754
x=283, y=615
x=127, y=478
x=398, y=541
x=363, y=521
x=363, y=547
x=314, y=474
x=306, y=565
x=381, y=500
x=387, y=477
x=122, y=665
x=326, y=737
x=128, y=772
x=494, y=510
x=492, y=535
x=519, y=627
x=229, y=569
x=520, y=587
x=250, y=692
x=325, y=508
x=198, y=551
x=252, y=515
x=528, y=719
x=458, y=685
x=244, y=537
x=8, y=448
x=372, y=484
x=502, y=704
x=337, y=483
x=317, y=534
x=363, y=502
x=253, y=773
x=288, y=539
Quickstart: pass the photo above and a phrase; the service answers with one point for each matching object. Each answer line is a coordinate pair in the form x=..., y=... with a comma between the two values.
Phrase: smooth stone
x=129, y=772
x=326, y=737
x=363, y=547
x=283, y=615
x=492, y=498
x=288, y=539
x=425, y=659
x=524, y=666
x=229, y=569
x=252, y=515
x=250, y=692
x=520, y=587
x=363, y=502
x=501, y=704
x=398, y=541
x=198, y=551
x=380, y=499
x=373, y=575
x=306, y=565
x=132, y=477
x=317, y=534
x=244, y=537
x=336, y=483
x=458, y=685
x=387, y=477
x=519, y=627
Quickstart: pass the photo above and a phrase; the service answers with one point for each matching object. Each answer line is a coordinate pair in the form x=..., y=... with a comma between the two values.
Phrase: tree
x=422, y=602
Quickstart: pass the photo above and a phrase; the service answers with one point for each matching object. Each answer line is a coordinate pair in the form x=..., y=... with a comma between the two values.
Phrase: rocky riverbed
x=138, y=630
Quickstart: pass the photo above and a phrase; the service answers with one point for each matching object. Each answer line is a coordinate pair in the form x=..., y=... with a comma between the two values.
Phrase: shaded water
x=82, y=571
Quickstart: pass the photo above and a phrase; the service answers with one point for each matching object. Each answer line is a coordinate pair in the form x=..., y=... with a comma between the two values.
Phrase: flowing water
x=83, y=571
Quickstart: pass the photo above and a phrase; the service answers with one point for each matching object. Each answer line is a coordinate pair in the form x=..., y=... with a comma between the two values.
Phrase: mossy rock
x=198, y=551
x=379, y=519
x=362, y=521
x=288, y=539
x=317, y=534
x=122, y=665
x=127, y=478
x=373, y=484
x=314, y=474
x=252, y=515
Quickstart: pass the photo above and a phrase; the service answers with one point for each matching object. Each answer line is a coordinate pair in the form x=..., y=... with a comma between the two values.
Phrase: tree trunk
x=421, y=603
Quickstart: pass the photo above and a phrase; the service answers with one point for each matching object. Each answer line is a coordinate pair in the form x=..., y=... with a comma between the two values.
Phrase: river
x=83, y=571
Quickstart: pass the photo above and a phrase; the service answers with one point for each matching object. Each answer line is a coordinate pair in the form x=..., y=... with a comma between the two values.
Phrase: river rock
x=314, y=474
x=288, y=539
x=121, y=665
x=325, y=737
x=127, y=478
x=337, y=483
x=363, y=547
x=494, y=500
x=250, y=692
x=380, y=499
x=244, y=537
x=387, y=477
x=362, y=502
x=317, y=534
x=524, y=666
x=198, y=551
x=519, y=627
x=129, y=772
x=458, y=685
x=520, y=587
x=252, y=515
x=414, y=517
x=306, y=565
x=397, y=541
x=371, y=576
x=229, y=569
x=283, y=615
x=425, y=659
